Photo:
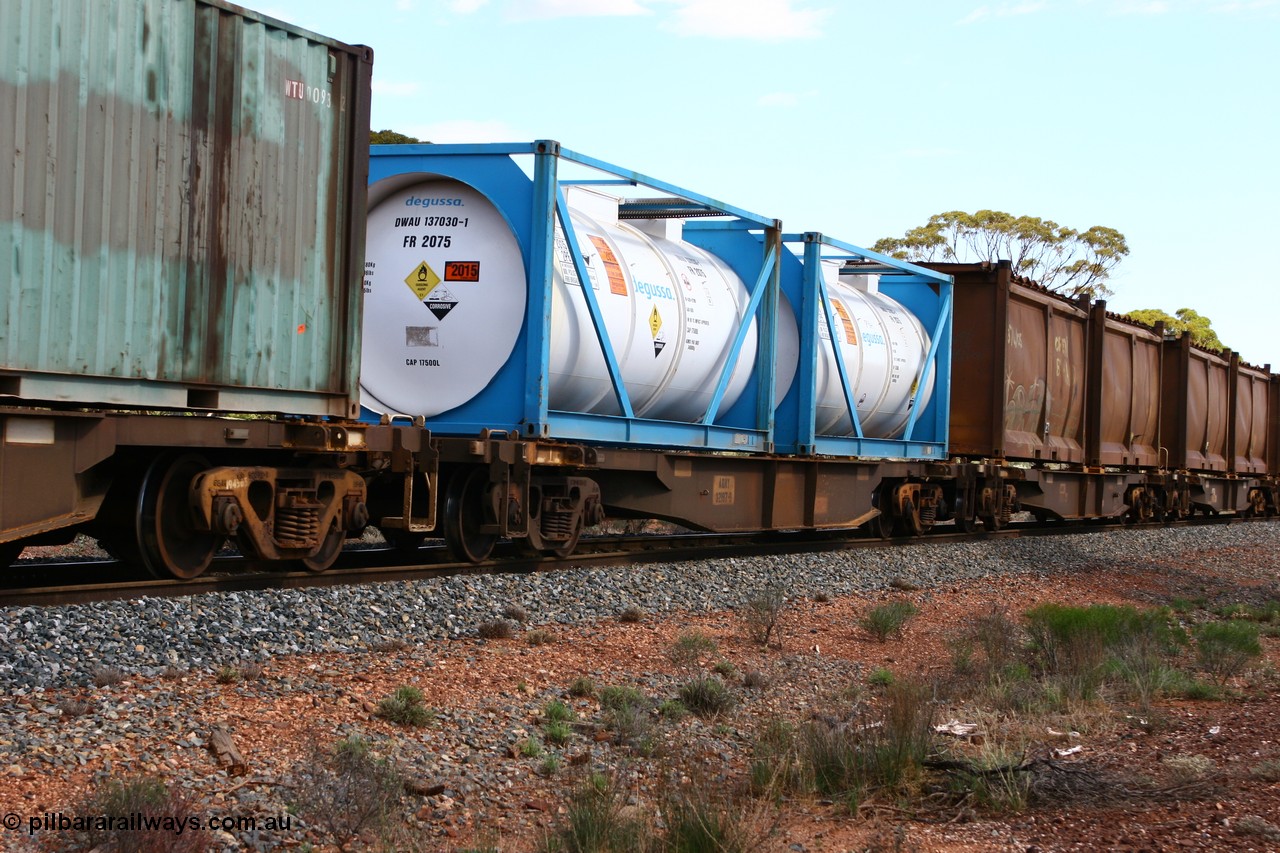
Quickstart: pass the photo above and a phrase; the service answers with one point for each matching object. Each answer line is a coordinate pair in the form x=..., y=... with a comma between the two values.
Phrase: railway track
x=45, y=583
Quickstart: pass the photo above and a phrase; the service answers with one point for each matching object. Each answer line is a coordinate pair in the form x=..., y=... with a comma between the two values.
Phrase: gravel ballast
x=49, y=647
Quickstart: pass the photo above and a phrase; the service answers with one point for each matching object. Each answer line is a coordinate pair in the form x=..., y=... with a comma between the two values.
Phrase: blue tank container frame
x=531, y=199
x=925, y=293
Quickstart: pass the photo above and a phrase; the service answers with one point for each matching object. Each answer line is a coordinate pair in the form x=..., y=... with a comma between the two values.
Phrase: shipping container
x=534, y=290
x=1018, y=368
x=1251, y=404
x=182, y=217
x=1123, y=412
x=1196, y=413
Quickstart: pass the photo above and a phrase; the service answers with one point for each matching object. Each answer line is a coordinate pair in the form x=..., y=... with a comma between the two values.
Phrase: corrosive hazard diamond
x=655, y=321
x=422, y=280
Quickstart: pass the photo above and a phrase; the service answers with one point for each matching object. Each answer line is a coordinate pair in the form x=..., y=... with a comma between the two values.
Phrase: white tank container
x=444, y=296
x=445, y=299
x=884, y=348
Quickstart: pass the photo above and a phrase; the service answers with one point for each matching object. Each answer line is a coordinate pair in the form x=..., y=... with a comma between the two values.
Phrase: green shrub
x=849, y=760
x=707, y=696
x=558, y=732
x=582, y=687
x=689, y=648
x=530, y=747
x=597, y=820
x=1078, y=645
x=620, y=696
x=884, y=620
x=1225, y=648
x=556, y=711
x=699, y=819
x=405, y=707
x=881, y=677
x=626, y=713
x=725, y=668
x=673, y=709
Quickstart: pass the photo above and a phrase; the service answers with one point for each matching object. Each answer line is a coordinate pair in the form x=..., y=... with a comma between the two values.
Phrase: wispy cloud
x=462, y=7
x=534, y=10
x=760, y=20
x=1004, y=10
x=464, y=130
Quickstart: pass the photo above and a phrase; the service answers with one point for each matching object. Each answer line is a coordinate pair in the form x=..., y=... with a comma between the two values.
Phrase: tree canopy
x=391, y=137
x=1062, y=259
x=1200, y=326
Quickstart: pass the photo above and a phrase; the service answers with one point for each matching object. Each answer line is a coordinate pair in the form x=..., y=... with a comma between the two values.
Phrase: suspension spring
x=297, y=524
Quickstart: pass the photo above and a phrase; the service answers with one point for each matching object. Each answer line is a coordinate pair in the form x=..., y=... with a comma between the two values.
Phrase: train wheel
x=328, y=553
x=882, y=525
x=911, y=523
x=564, y=549
x=168, y=542
x=463, y=516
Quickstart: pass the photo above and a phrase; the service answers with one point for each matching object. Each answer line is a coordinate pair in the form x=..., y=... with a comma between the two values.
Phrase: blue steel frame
x=752, y=245
x=517, y=399
x=923, y=292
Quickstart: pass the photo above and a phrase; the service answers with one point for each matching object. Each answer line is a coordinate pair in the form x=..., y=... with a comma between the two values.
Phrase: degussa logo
x=420, y=201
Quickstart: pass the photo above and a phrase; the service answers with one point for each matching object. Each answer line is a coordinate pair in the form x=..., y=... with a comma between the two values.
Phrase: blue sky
x=1160, y=118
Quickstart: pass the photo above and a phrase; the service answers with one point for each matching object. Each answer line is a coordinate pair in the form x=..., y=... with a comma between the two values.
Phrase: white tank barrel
x=438, y=329
x=884, y=347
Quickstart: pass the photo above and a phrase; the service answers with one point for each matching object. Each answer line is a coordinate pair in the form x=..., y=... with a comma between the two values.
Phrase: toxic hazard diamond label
x=422, y=280
x=655, y=327
x=440, y=303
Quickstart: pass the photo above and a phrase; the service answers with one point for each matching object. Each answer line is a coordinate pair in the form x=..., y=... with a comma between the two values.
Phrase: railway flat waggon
x=715, y=371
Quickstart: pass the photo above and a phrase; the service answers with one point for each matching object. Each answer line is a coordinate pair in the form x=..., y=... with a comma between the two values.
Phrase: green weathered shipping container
x=182, y=220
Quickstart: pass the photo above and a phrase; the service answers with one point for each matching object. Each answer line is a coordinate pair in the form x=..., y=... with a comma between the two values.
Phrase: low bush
x=631, y=614
x=707, y=697
x=598, y=820
x=134, y=803
x=1225, y=648
x=348, y=791
x=762, y=615
x=405, y=707
x=496, y=629
x=539, y=637
x=885, y=620
x=689, y=648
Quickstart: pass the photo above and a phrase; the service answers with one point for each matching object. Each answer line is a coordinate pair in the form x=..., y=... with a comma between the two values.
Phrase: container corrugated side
x=1018, y=364
x=1124, y=386
x=1252, y=404
x=1195, y=413
x=182, y=221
